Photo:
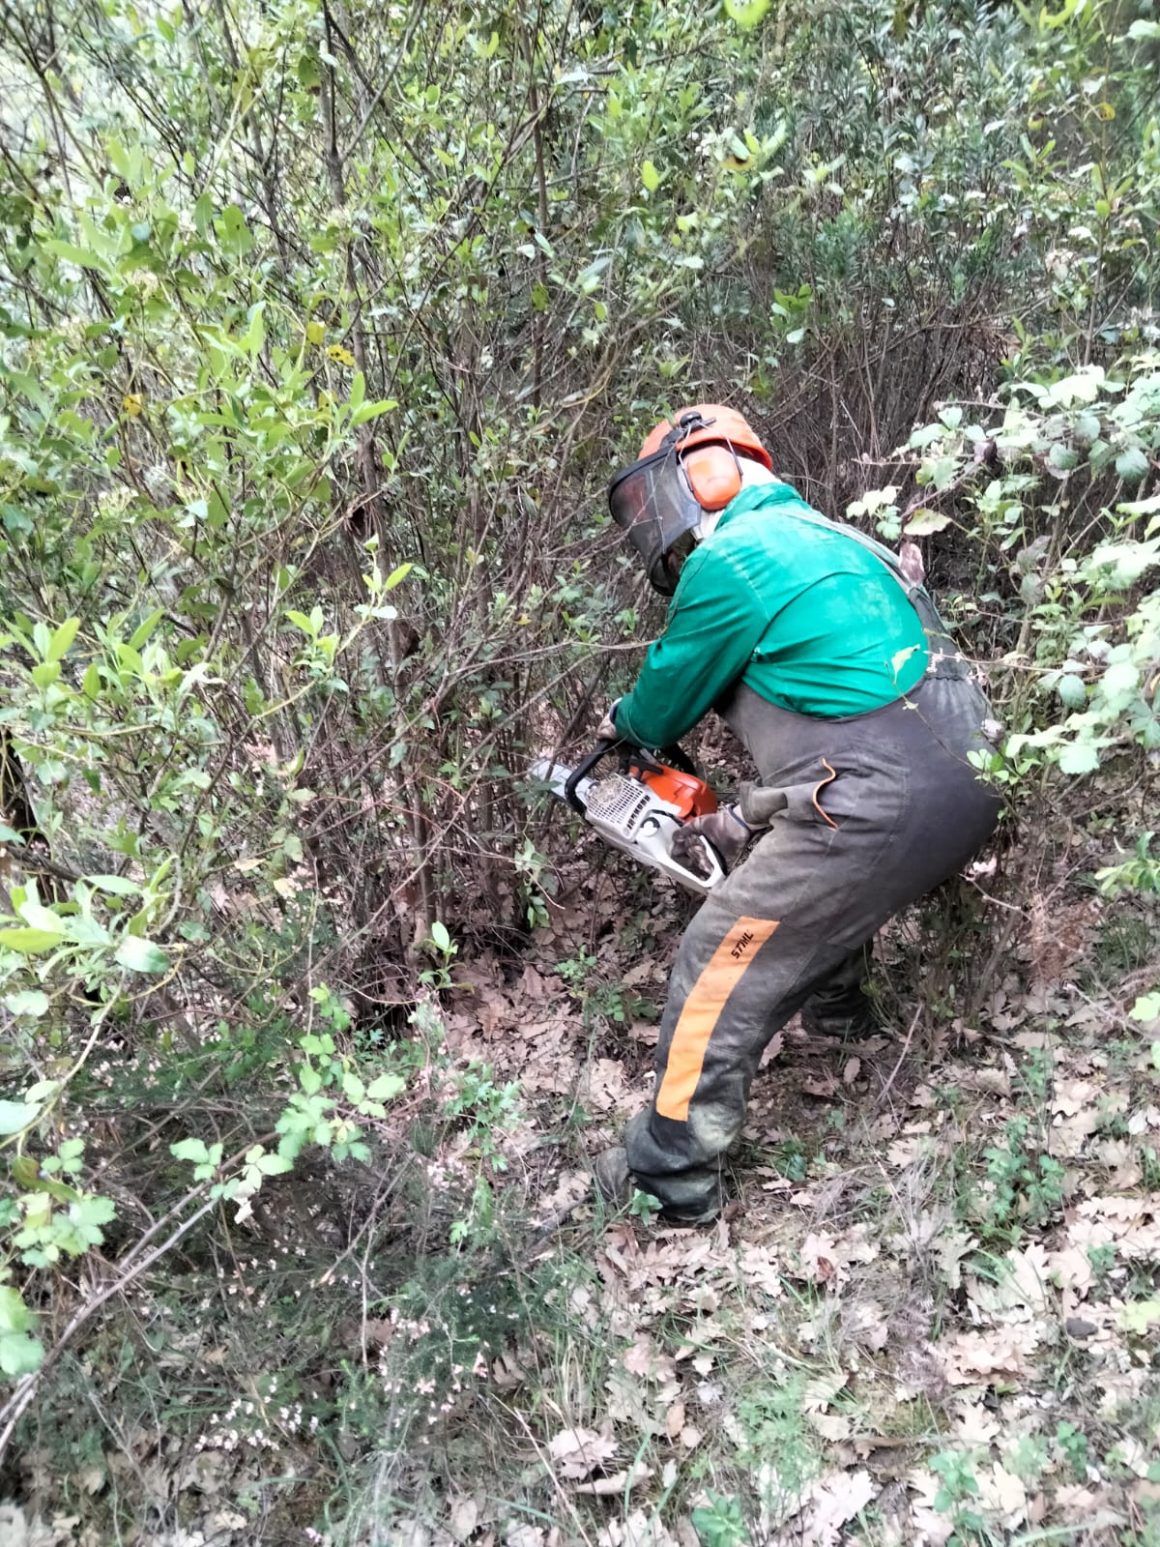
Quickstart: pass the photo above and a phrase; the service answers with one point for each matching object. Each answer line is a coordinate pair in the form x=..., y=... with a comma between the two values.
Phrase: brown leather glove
x=724, y=828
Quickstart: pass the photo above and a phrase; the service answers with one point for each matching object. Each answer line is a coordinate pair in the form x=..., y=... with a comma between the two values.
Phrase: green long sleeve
x=714, y=624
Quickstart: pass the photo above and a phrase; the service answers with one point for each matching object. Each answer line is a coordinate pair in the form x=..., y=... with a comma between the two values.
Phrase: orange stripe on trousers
x=702, y=1010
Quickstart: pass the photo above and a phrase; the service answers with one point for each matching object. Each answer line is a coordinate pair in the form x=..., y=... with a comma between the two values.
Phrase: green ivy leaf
x=1072, y=691
x=1080, y=757
x=20, y=1354
x=141, y=955
x=1120, y=685
x=650, y=177
x=368, y=411
x=73, y=254
x=14, y=1314
x=924, y=522
x=190, y=1149
x=747, y=13
x=301, y=621
x=1146, y=1008
x=1062, y=459
x=1132, y=465
x=92, y=1211
x=29, y=942
x=119, y=886
x=1146, y=507
x=15, y=1115
x=1140, y=1316
x=386, y=1087
x=62, y=639
x=32, y=1002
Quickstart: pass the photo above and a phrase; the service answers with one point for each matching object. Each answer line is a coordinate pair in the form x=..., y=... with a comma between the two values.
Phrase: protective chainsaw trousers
x=866, y=815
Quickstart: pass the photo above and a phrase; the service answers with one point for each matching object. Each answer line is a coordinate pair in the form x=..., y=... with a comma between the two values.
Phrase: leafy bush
x=320, y=329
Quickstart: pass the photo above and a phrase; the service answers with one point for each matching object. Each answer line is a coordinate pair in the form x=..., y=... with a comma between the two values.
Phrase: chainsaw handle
x=689, y=877
x=675, y=758
x=581, y=771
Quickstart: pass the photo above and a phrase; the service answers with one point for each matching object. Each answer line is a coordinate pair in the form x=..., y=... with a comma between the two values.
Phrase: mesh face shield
x=653, y=504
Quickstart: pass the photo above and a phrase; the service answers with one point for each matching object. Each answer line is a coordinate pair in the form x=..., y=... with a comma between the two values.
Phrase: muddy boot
x=615, y=1184
x=612, y=1179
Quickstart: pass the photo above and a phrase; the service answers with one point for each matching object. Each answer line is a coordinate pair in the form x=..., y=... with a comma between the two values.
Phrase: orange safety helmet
x=683, y=470
x=718, y=425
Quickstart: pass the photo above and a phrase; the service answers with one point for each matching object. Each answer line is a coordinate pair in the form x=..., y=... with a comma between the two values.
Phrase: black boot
x=847, y=1014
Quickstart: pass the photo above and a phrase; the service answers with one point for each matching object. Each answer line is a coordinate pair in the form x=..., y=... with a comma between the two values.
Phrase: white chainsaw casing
x=630, y=817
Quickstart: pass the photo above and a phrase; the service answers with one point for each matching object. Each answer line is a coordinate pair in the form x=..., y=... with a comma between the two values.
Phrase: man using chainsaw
x=833, y=668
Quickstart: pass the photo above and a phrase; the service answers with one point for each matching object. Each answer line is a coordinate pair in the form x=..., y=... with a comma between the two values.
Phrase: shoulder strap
x=886, y=555
x=946, y=660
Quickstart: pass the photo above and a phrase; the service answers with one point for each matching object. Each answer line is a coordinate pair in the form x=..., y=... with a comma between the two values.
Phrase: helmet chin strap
x=751, y=473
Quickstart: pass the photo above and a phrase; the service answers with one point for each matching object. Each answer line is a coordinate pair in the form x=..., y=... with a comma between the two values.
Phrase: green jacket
x=804, y=615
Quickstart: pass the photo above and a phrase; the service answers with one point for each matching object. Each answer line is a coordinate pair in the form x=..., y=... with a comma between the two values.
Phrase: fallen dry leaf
x=619, y=1482
x=579, y=1452
x=821, y=1085
x=1002, y=1493
x=982, y=1358
x=525, y=1535
x=974, y=1424
x=865, y=1322
x=1077, y=1503
x=639, y=1530
x=822, y=1390
x=904, y=1152
x=817, y=1515
x=640, y=1358
x=819, y=1259
x=953, y=1245
x=831, y=1426
x=506, y=1372
x=1020, y=1290
x=757, y=1267
x=463, y=1519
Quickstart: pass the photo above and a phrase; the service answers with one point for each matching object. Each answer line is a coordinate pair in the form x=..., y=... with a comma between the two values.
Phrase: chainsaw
x=639, y=807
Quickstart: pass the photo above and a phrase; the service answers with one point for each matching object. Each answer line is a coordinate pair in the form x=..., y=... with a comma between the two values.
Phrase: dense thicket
x=321, y=328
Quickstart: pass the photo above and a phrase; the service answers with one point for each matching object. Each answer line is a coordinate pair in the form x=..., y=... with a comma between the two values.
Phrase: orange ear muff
x=714, y=475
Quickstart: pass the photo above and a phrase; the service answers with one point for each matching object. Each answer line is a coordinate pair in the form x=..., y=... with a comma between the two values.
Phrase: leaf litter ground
x=931, y=1313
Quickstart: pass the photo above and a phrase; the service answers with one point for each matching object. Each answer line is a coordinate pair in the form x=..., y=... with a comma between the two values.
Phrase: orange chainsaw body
x=691, y=796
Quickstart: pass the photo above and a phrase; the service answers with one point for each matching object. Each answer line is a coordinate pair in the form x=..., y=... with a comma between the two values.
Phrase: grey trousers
x=867, y=815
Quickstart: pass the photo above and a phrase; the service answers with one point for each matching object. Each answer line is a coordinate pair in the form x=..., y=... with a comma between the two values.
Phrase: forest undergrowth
x=322, y=326
x=929, y=1316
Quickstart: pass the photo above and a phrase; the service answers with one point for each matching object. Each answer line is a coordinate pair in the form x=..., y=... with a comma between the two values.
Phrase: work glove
x=606, y=730
x=725, y=829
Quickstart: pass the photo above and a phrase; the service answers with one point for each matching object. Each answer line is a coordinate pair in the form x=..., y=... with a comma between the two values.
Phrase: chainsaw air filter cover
x=618, y=801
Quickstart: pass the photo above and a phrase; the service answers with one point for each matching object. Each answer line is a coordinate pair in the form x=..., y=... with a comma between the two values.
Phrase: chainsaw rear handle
x=673, y=756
